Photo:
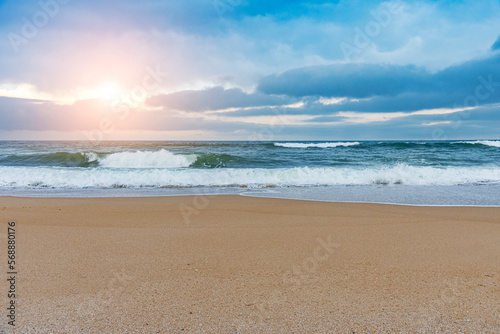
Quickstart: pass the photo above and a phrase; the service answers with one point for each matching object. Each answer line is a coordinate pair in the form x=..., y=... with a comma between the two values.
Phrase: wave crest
x=316, y=145
x=493, y=143
x=248, y=177
x=147, y=159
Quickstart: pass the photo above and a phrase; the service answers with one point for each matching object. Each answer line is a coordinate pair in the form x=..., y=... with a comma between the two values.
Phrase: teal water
x=290, y=169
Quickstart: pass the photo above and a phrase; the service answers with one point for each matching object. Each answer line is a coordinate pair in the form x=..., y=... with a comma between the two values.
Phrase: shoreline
x=432, y=196
x=252, y=196
x=245, y=264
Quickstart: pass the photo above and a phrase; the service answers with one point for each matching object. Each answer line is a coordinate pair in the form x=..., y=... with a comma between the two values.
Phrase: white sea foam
x=144, y=159
x=317, y=145
x=91, y=156
x=250, y=177
x=494, y=143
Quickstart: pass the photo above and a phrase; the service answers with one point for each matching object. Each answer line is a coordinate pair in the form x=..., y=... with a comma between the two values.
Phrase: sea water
x=402, y=172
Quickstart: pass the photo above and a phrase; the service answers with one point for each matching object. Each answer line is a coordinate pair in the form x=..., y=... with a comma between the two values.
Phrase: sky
x=249, y=70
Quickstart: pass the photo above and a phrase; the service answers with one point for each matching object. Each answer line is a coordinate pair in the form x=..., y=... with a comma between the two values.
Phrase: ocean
x=397, y=172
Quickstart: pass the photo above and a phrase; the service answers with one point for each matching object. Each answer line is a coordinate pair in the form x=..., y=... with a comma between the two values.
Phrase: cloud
x=386, y=88
x=215, y=98
x=244, y=44
x=93, y=41
x=25, y=114
x=496, y=45
x=87, y=116
x=347, y=80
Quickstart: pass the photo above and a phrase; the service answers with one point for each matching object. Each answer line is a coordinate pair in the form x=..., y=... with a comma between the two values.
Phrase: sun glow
x=108, y=91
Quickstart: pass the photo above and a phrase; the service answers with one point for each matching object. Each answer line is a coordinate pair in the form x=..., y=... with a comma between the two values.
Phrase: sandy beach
x=234, y=264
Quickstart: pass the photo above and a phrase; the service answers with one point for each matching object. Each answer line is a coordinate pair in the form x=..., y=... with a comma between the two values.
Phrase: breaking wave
x=317, y=145
x=244, y=177
x=494, y=143
x=136, y=159
x=147, y=159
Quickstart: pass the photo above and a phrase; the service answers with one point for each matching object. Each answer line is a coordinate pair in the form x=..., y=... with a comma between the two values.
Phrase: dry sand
x=250, y=265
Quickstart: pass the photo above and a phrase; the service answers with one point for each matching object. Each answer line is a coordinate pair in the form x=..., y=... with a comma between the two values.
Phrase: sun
x=108, y=91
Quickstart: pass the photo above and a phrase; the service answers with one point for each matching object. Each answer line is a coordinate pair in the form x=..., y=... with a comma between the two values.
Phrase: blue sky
x=245, y=70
